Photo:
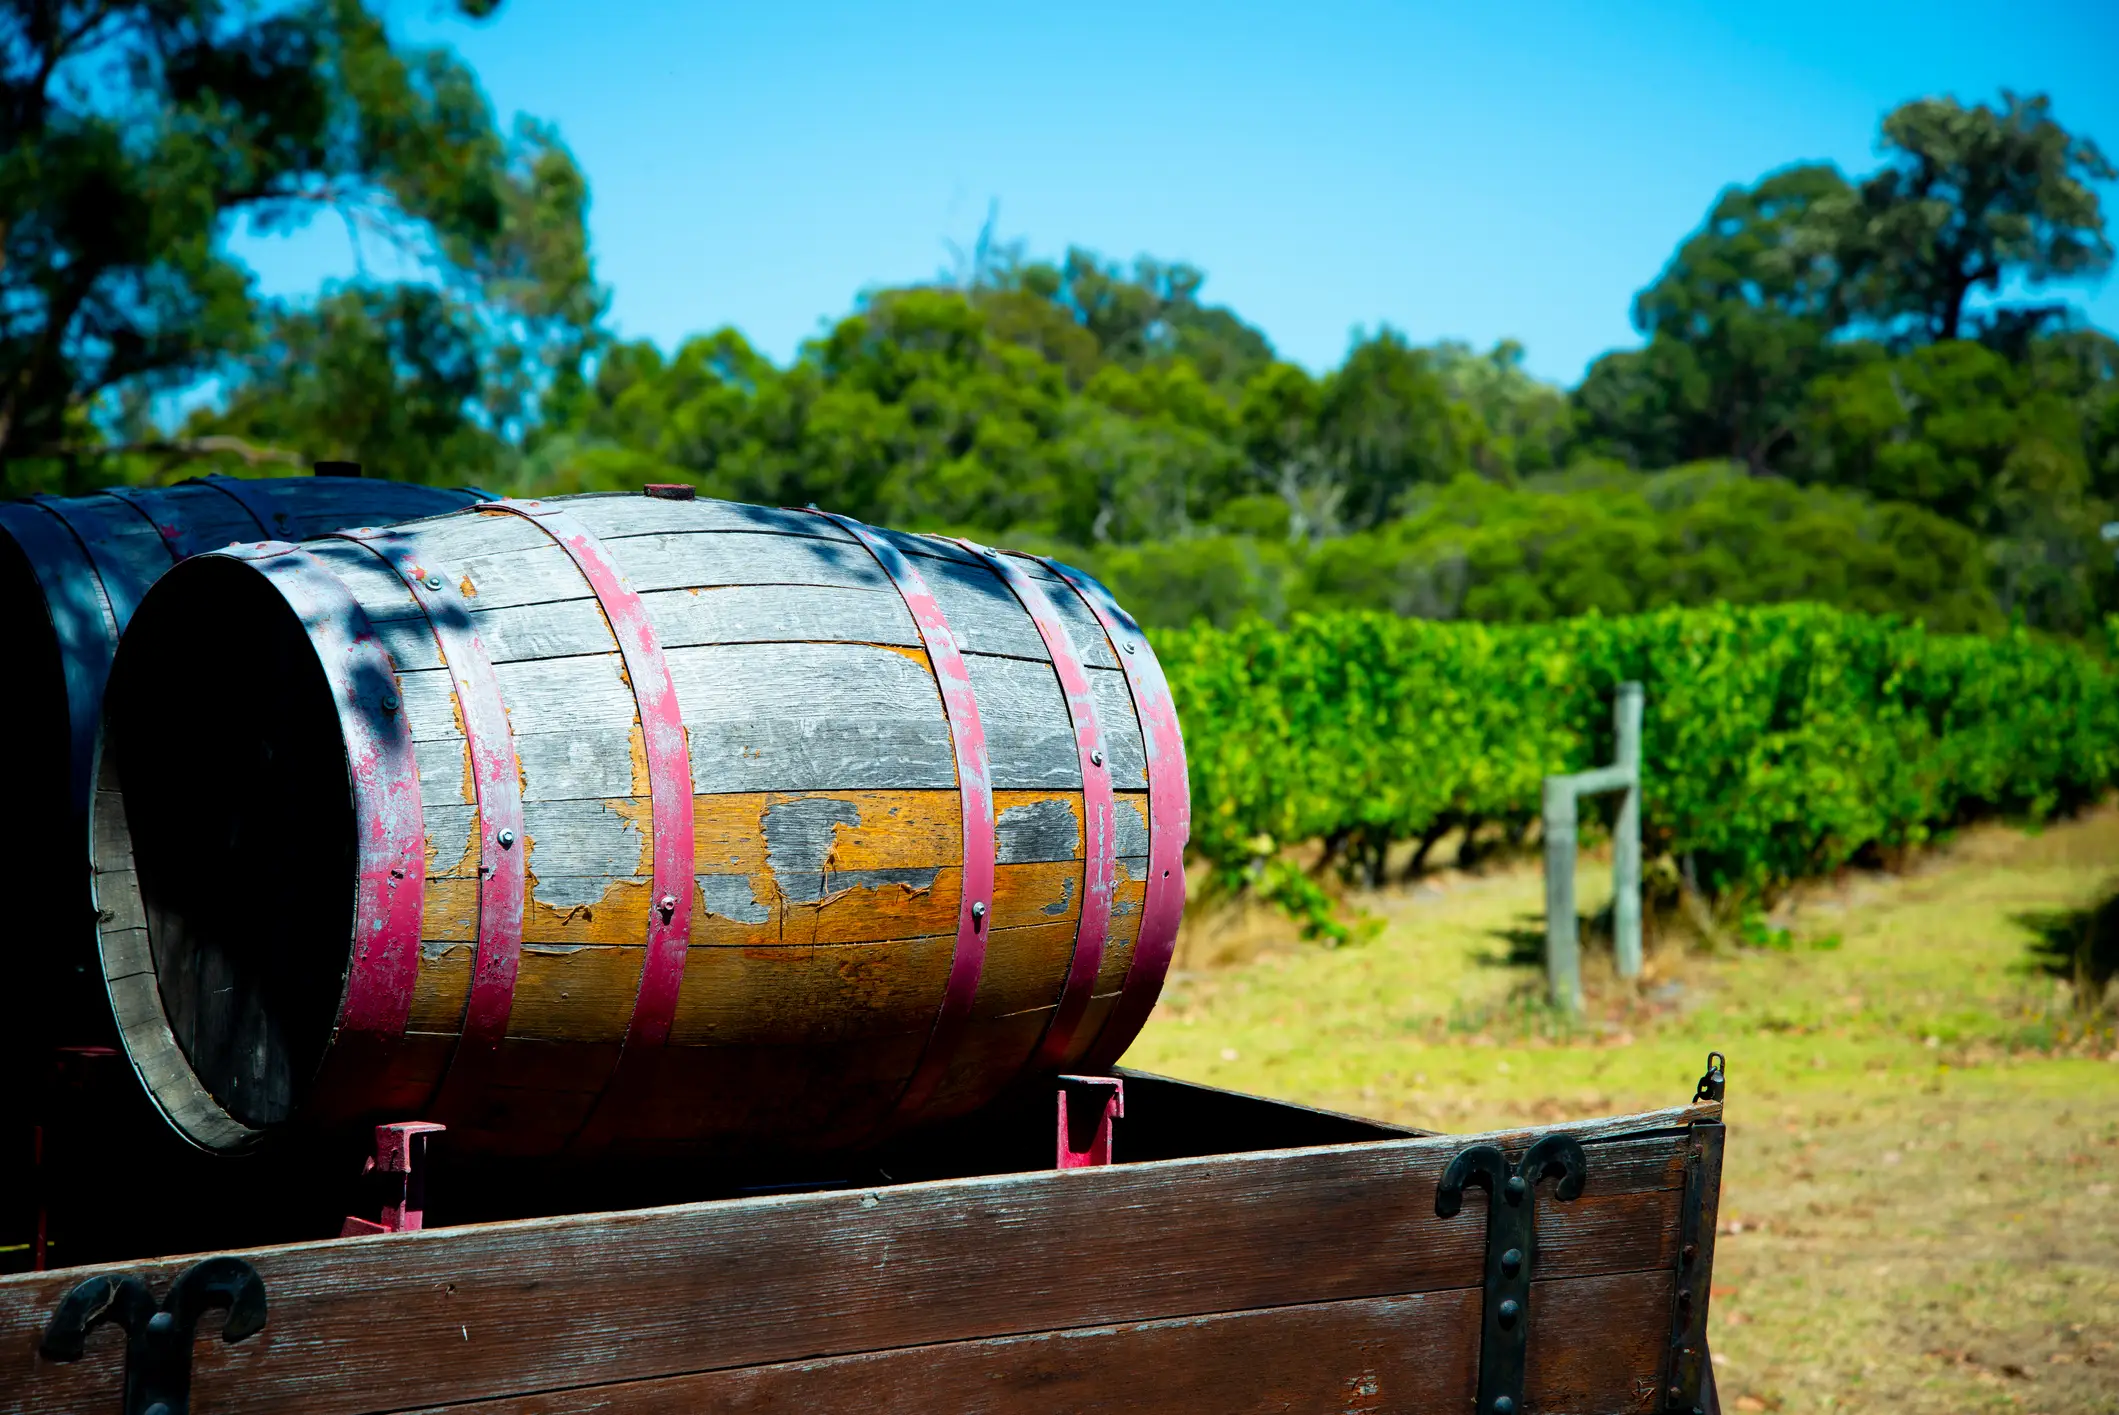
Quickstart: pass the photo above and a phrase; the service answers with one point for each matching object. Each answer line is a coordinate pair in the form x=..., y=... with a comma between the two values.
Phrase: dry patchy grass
x=1919, y=1210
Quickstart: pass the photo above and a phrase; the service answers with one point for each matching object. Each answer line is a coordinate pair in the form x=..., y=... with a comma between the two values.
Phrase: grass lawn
x=1921, y=1205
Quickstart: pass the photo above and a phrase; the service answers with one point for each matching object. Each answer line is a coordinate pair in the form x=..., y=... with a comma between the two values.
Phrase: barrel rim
x=382, y=784
x=375, y=1004
x=136, y=1004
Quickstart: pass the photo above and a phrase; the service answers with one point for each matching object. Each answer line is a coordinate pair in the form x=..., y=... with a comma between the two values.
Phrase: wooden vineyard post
x=1563, y=962
x=1626, y=834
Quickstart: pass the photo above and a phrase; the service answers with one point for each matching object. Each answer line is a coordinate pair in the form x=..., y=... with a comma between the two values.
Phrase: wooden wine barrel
x=72, y=571
x=620, y=823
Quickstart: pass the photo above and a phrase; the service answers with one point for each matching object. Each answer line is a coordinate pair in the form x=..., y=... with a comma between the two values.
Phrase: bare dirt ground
x=1921, y=1209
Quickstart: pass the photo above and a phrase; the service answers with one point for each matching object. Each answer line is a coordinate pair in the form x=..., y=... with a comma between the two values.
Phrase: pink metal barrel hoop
x=1169, y=820
x=1099, y=815
x=967, y=738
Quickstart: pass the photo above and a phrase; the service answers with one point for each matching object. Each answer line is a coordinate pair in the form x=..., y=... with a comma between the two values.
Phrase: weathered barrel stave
x=827, y=864
x=763, y=706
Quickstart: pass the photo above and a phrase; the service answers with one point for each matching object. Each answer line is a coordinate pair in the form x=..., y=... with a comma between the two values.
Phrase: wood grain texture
x=826, y=860
x=448, y=1316
x=677, y=573
x=1415, y=1355
x=208, y=519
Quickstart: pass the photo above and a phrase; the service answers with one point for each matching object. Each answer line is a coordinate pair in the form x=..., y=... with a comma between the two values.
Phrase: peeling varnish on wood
x=619, y=914
x=469, y=791
x=917, y=655
x=636, y=749
x=469, y=859
x=441, y=987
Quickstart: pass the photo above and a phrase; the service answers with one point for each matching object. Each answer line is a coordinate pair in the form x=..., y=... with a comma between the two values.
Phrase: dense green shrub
x=1780, y=742
x=1596, y=539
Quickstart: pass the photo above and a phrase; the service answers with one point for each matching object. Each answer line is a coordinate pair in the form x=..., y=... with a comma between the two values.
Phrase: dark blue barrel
x=72, y=570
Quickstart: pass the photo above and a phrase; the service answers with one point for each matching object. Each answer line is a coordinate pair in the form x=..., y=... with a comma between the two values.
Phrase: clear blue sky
x=1465, y=171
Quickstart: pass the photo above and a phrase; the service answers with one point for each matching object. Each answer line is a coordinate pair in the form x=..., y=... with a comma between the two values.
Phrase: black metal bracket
x=1689, y=1369
x=1714, y=1082
x=1511, y=1249
x=158, y=1338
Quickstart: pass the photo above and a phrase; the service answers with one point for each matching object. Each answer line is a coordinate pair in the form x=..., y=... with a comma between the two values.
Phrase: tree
x=1153, y=313
x=1970, y=198
x=2082, y=367
x=1620, y=543
x=1387, y=419
x=1953, y=427
x=1287, y=457
x=1754, y=297
x=383, y=375
x=135, y=134
x=1959, y=430
x=1649, y=407
x=1520, y=424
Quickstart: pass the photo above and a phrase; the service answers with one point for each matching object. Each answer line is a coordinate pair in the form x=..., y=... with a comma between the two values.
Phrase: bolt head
x=1512, y=1261
x=390, y=703
x=978, y=908
x=161, y=1323
x=1509, y=1310
x=1096, y=759
x=1131, y=646
x=506, y=839
x=1516, y=1188
x=1504, y=1406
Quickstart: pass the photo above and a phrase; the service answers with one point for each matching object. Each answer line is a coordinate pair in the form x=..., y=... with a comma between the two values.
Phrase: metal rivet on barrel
x=668, y=905
x=389, y=702
x=1504, y=1406
x=1096, y=759
x=432, y=582
x=1512, y=1261
x=1510, y=1309
x=506, y=839
x=978, y=908
x=1131, y=646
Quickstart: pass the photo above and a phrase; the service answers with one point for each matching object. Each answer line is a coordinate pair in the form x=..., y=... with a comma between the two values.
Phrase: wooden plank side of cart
x=1313, y=1279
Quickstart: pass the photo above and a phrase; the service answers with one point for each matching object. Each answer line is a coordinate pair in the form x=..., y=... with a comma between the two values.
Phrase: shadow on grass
x=2079, y=945
x=1525, y=943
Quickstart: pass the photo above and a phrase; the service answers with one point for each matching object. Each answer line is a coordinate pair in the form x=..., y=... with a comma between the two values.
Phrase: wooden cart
x=1240, y=1255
